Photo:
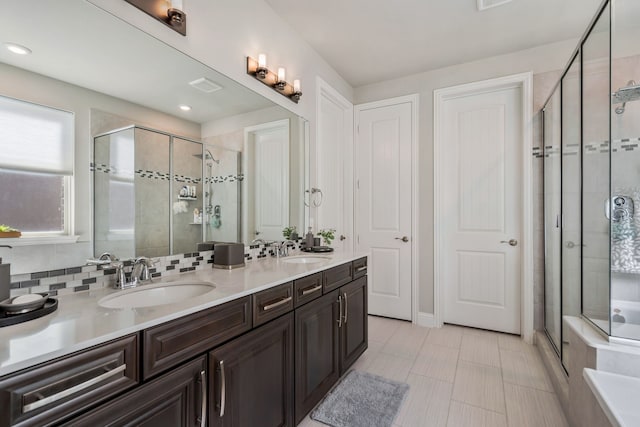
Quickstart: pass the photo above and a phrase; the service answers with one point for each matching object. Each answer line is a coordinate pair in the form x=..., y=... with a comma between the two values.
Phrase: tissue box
x=228, y=255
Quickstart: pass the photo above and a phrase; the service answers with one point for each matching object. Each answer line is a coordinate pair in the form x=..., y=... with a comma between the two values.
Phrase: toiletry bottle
x=308, y=238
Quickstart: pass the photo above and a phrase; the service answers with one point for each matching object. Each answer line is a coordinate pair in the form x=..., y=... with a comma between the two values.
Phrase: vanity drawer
x=272, y=303
x=173, y=342
x=50, y=392
x=307, y=289
x=336, y=277
x=359, y=267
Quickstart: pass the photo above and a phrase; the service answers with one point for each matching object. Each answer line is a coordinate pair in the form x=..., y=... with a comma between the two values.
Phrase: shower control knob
x=512, y=242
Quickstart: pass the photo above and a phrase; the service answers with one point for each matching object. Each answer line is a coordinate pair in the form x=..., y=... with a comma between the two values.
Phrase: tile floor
x=460, y=376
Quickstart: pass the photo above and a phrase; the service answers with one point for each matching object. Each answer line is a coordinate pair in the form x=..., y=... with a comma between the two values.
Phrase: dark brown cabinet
x=354, y=332
x=174, y=399
x=251, y=378
x=317, y=357
x=331, y=333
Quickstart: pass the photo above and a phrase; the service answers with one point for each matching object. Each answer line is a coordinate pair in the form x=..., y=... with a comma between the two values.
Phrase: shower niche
x=591, y=182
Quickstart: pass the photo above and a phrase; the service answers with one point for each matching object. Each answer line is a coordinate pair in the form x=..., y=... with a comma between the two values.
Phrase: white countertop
x=617, y=395
x=80, y=322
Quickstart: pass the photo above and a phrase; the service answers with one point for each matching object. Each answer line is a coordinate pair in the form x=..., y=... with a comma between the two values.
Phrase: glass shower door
x=552, y=218
x=571, y=215
x=596, y=209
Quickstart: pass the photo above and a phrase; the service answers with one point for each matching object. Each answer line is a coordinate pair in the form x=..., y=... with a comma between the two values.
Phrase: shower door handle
x=511, y=242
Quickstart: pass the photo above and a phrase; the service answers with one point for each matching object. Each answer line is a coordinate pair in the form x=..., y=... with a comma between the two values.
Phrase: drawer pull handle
x=311, y=290
x=71, y=390
x=363, y=268
x=203, y=389
x=340, y=312
x=283, y=301
x=223, y=389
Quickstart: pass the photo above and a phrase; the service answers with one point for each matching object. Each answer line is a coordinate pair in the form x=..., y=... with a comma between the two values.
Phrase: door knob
x=403, y=238
x=512, y=242
x=342, y=237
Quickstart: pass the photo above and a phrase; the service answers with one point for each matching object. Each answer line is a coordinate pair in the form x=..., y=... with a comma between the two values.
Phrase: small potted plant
x=6, y=231
x=327, y=235
x=290, y=232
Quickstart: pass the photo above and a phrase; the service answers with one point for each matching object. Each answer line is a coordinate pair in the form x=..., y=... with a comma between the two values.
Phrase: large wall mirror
x=149, y=178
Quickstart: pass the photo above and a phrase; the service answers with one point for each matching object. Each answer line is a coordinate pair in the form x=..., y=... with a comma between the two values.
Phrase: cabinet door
x=174, y=399
x=354, y=332
x=317, y=358
x=251, y=378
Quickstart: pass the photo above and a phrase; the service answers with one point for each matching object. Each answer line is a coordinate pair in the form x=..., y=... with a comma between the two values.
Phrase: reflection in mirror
x=85, y=70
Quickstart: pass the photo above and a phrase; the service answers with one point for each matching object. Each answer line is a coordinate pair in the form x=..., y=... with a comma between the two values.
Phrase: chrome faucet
x=139, y=274
x=258, y=241
x=282, y=249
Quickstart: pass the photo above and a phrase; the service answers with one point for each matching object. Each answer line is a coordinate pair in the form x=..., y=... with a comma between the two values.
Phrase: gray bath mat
x=361, y=400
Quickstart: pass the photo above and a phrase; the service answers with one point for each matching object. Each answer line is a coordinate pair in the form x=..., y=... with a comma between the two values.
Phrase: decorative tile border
x=89, y=277
x=163, y=176
x=619, y=145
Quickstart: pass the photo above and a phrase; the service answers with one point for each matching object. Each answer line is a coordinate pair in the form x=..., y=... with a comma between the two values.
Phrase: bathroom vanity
x=262, y=348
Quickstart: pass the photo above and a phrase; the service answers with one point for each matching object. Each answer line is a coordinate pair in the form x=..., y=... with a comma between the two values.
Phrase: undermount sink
x=159, y=294
x=305, y=259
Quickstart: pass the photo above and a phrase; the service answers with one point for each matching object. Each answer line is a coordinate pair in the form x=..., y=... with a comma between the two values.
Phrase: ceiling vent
x=488, y=4
x=205, y=85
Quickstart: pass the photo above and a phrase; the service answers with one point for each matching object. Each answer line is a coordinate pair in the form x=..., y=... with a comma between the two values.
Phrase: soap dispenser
x=308, y=238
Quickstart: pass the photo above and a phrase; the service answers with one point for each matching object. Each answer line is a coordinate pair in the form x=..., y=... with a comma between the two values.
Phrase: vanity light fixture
x=17, y=49
x=184, y=107
x=276, y=81
x=169, y=12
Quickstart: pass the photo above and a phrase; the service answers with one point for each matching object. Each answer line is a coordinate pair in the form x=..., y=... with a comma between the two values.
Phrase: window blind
x=35, y=138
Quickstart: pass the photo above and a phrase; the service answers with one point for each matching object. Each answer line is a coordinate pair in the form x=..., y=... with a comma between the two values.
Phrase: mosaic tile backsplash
x=88, y=277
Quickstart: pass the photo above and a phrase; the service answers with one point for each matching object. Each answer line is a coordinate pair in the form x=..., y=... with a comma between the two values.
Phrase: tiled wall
x=88, y=277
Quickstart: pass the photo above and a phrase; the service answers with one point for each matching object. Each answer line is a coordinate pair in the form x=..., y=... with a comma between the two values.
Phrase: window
x=36, y=167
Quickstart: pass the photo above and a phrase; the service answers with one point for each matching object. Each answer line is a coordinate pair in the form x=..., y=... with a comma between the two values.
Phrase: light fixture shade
x=282, y=74
x=262, y=60
x=296, y=85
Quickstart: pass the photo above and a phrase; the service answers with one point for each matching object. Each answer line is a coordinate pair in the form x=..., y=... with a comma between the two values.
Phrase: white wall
x=541, y=59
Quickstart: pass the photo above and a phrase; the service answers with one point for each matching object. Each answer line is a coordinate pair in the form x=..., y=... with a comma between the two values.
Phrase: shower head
x=209, y=156
x=625, y=94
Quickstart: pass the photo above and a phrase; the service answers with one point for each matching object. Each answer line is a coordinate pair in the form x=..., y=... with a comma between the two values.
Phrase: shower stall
x=591, y=182
x=147, y=187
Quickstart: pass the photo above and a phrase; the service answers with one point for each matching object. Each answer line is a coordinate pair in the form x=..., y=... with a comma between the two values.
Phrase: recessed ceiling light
x=185, y=108
x=17, y=49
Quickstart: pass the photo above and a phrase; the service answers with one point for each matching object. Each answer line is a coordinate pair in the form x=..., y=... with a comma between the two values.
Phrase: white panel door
x=481, y=225
x=271, y=151
x=334, y=167
x=383, y=206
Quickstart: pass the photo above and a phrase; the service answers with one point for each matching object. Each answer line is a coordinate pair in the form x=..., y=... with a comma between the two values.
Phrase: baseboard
x=426, y=319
